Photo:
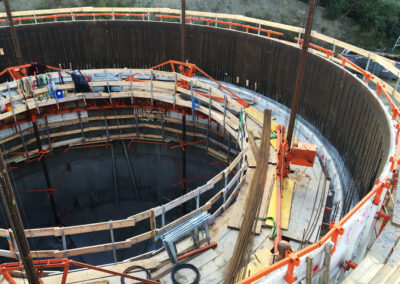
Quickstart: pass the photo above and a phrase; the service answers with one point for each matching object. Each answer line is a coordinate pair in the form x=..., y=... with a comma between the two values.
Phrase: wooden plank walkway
x=306, y=193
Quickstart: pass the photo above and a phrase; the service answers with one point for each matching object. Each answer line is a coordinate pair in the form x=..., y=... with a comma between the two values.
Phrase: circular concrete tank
x=339, y=105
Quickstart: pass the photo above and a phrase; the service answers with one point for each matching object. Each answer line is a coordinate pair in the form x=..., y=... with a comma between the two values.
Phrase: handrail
x=5, y=268
x=327, y=51
x=366, y=74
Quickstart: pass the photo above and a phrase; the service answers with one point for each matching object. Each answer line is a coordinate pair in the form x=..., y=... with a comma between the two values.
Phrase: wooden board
x=259, y=260
x=235, y=222
x=305, y=192
x=92, y=274
x=258, y=116
x=266, y=200
x=286, y=204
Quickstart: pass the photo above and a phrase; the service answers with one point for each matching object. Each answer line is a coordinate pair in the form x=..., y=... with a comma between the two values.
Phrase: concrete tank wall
x=339, y=105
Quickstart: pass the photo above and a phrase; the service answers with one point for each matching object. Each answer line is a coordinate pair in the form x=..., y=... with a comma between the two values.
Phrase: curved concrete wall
x=338, y=104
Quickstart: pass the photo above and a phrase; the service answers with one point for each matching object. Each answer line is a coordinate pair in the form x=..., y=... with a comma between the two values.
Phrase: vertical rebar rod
x=115, y=177
x=183, y=22
x=184, y=158
x=301, y=70
x=14, y=218
x=13, y=33
x=46, y=174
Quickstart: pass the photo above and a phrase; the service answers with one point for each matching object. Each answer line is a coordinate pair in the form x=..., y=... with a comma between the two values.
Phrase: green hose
x=266, y=219
x=274, y=230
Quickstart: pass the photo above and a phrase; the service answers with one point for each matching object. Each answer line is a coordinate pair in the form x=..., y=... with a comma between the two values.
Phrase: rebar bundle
x=253, y=203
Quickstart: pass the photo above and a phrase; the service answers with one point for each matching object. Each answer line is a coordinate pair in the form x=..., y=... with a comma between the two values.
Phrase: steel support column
x=301, y=70
x=184, y=157
x=46, y=173
x=13, y=33
x=14, y=218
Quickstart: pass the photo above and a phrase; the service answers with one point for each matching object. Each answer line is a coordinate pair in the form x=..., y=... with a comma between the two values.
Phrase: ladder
x=325, y=270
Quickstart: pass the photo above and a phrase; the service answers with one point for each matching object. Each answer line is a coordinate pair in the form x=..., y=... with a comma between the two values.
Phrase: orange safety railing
x=73, y=16
x=175, y=17
x=269, y=32
x=327, y=51
x=366, y=74
x=172, y=63
x=229, y=24
x=380, y=88
x=11, y=70
x=39, y=265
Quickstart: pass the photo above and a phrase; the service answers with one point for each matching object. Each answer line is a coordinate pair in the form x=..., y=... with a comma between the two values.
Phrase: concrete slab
x=364, y=272
x=383, y=245
x=394, y=257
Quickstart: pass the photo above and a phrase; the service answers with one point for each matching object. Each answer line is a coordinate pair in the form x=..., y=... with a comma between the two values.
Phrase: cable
x=135, y=268
x=185, y=266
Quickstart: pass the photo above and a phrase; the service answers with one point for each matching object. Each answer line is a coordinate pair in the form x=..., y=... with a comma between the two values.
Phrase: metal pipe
x=368, y=62
x=209, y=118
x=128, y=161
x=113, y=242
x=301, y=70
x=184, y=158
x=46, y=173
x=229, y=149
x=183, y=35
x=14, y=218
x=64, y=243
x=114, y=171
x=131, y=85
x=13, y=33
x=137, y=125
x=151, y=85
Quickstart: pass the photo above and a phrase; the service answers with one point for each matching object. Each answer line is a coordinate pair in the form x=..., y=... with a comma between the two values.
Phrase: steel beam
x=46, y=174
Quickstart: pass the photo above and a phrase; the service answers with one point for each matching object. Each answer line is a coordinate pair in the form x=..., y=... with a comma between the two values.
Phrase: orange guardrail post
x=294, y=260
x=386, y=218
x=338, y=231
x=381, y=185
